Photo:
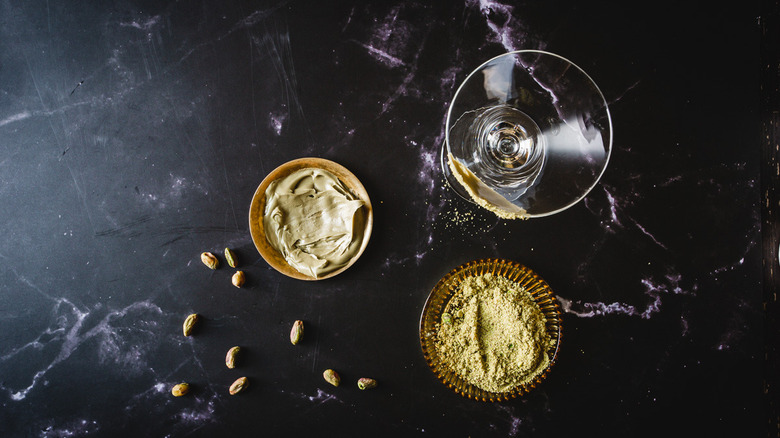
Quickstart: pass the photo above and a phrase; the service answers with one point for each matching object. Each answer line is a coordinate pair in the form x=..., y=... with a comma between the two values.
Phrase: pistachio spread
x=482, y=194
x=493, y=335
x=314, y=221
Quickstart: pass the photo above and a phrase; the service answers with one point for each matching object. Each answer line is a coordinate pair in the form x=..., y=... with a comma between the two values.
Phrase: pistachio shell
x=239, y=385
x=180, y=389
x=331, y=377
x=238, y=279
x=296, y=334
x=230, y=358
x=366, y=383
x=209, y=260
x=230, y=256
x=189, y=324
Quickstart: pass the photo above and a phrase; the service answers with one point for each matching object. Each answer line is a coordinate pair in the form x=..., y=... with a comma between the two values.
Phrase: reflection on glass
x=528, y=134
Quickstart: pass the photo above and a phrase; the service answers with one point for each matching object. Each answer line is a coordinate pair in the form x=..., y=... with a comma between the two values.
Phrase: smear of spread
x=484, y=195
x=314, y=221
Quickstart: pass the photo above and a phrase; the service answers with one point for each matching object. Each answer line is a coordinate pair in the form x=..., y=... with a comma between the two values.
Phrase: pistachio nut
x=230, y=358
x=366, y=383
x=209, y=260
x=180, y=389
x=331, y=377
x=189, y=324
x=296, y=334
x=239, y=385
x=239, y=279
x=230, y=256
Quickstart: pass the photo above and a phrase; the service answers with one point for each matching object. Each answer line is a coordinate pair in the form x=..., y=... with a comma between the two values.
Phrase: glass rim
x=595, y=86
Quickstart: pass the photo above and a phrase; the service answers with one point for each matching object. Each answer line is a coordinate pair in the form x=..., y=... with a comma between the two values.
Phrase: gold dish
x=257, y=207
x=444, y=291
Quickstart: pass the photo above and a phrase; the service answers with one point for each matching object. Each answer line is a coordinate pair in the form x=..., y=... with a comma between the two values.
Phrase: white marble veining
x=129, y=155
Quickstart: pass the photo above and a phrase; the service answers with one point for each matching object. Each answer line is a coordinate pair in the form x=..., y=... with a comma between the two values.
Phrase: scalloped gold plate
x=257, y=208
x=446, y=288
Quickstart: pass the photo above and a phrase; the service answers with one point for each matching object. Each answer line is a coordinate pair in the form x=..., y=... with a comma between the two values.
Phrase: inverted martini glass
x=528, y=134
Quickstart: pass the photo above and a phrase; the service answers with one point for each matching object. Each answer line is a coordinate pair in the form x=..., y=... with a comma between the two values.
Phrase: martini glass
x=528, y=134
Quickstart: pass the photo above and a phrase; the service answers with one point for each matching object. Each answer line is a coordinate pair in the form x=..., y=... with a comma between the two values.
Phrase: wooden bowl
x=257, y=208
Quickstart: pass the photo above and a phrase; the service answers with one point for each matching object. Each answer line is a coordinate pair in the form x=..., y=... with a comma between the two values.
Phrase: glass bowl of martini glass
x=528, y=134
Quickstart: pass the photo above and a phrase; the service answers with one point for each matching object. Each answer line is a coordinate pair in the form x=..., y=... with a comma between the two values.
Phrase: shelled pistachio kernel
x=239, y=385
x=180, y=389
x=209, y=260
x=366, y=383
x=232, y=355
x=230, y=256
x=189, y=324
x=331, y=377
x=296, y=334
x=238, y=279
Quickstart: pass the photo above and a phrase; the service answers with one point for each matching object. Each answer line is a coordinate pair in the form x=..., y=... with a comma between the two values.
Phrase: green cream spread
x=493, y=334
x=314, y=221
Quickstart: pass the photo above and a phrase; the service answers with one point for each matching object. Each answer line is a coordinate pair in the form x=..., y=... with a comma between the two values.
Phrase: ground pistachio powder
x=493, y=334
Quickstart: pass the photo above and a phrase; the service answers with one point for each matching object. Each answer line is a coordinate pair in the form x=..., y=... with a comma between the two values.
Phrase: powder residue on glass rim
x=493, y=334
x=483, y=195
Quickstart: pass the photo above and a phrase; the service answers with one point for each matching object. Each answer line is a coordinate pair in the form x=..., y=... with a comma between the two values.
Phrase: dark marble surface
x=134, y=133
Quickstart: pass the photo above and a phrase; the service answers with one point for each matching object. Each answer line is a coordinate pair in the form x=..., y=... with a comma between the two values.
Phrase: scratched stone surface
x=133, y=135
